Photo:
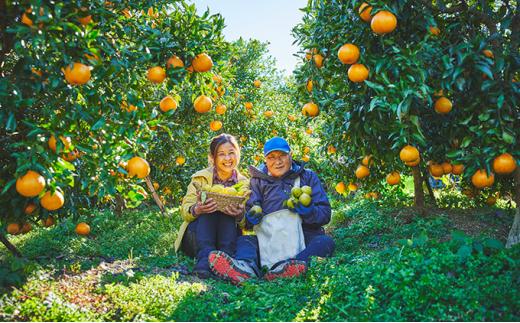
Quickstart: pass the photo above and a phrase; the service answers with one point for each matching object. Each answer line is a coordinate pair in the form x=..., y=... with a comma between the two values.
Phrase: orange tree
x=414, y=81
x=250, y=100
x=81, y=87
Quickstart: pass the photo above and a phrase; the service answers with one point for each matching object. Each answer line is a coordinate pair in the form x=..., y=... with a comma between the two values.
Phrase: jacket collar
x=207, y=173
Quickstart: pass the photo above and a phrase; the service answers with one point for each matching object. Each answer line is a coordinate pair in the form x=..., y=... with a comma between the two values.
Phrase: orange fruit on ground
x=331, y=149
x=291, y=117
x=26, y=227
x=31, y=184
x=306, y=158
x=309, y=85
x=434, y=30
x=82, y=229
x=52, y=202
x=310, y=109
x=257, y=83
x=341, y=188
x=65, y=140
x=365, y=14
x=357, y=73
x=13, y=228
x=138, y=166
x=443, y=105
x=318, y=60
x=268, y=114
x=29, y=208
x=447, y=167
x=488, y=53
x=367, y=160
x=128, y=108
x=393, y=178
x=409, y=153
x=156, y=74
x=202, y=104
x=220, y=109
x=352, y=187
x=414, y=162
x=180, y=160
x=202, y=63
x=457, y=169
x=348, y=54
x=504, y=164
x=362, y=171
x=79, y=74
x=436, y=170
x=248, y=105
x=383, y=22
x=48, y=222
x=215, y=125
x=167, y=104
x=481, y=179
x=174, y=62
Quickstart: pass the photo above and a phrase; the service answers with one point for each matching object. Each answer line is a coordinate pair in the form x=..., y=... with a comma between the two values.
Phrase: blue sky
x=265, y=20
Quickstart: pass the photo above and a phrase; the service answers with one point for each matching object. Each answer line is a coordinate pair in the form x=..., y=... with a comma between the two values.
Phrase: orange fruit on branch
x=481, y=179
x=488, y=53
x=393, y=178
x=82, y=229
x=156, y=74
x=310, y=109
x=78, y=74
x=202, y=104
x=174, y=62
x=409, y=153
x=167, y=104
x=504, y=164
x=220, y=109
x=29, y=208
x=52, y=201
x=13, y=228
x=65, y=140
x=348, y=54
x=31, y=184
x=457, y=169
x=257, y=83
x=383, y=22
x=341, y=188
x=138, y=166
x=48, y=222
x=365, y=11
x=443, y=105
x=309, y=85
x=434, y=30
x=362, y=171
x=202, y=63
x=436, y=170
x=215, y=125
x=318, y=60
x=357, y=73
x=180, y=160
x=447, y=167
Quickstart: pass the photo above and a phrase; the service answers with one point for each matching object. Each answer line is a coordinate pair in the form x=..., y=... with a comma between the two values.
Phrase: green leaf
x=11, y=123
x=508, y=138
x=464, y=252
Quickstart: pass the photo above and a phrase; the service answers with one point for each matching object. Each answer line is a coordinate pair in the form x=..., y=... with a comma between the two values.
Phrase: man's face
x=278, y=163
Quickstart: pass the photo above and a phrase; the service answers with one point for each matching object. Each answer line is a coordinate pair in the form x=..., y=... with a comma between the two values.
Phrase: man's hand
x=304, y=211
x=254, y=217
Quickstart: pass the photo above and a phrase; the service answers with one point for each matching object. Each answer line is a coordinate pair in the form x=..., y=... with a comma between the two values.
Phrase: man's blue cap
x=276, y=143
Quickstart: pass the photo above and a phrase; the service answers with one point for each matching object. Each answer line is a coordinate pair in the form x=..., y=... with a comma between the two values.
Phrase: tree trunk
x=514, y=234
x=418, y=190
x=120, y=204
x=154, y=194
x=429, y=187
x=10, y=246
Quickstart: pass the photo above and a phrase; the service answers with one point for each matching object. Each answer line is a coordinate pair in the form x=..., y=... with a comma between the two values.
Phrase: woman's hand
x=209, y=206
x=234, y=210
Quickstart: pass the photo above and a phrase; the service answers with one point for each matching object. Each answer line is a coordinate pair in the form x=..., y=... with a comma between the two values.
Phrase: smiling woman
x=205, y=228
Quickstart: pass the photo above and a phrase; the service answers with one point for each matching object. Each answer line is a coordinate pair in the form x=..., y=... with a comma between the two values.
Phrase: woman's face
x=226, y=158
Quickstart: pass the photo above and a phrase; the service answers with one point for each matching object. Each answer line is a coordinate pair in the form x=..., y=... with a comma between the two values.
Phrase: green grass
x=390, y=264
